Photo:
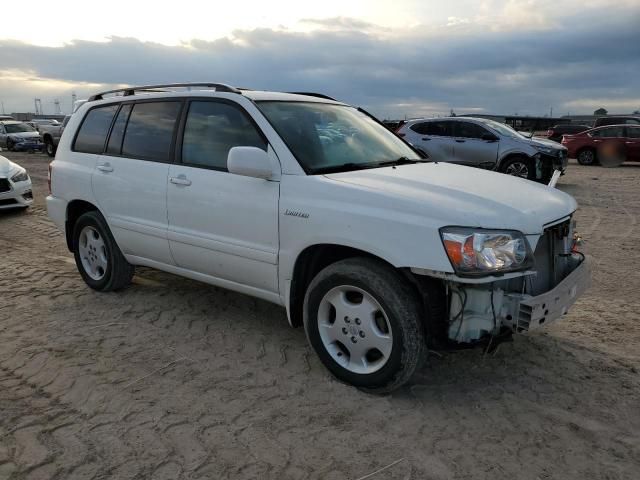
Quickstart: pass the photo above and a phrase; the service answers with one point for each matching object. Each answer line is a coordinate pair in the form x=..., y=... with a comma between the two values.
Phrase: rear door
x=434, y=138
x=632, y=143
x=130, y=179
x=470, y=149
x=609, y=141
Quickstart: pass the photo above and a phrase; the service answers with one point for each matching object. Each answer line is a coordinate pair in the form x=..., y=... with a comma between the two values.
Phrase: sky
x=395, y=58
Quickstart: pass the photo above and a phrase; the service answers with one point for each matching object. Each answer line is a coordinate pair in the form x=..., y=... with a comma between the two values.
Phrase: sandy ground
x=176, y=379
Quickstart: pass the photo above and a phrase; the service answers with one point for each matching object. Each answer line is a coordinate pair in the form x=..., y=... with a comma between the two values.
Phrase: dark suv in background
x=620, y=120
x=556, y=133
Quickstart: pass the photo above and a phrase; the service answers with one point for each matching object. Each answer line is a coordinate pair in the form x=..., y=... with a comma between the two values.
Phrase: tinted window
x=150, y=130
x=117, y=132
x=212, y=129
x=632, y=121
x=633, y=132
x=609, y=132
x=94, y=129
x=441, y=129
x=469, y=130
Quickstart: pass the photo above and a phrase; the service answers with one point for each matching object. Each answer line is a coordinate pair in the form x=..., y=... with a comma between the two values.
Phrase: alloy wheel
x=93, y=253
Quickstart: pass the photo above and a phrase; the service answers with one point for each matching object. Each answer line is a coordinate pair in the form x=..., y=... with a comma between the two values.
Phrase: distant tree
x=600, y=111
x=637, y=112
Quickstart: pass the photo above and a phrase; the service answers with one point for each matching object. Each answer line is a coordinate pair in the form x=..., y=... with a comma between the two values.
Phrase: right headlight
x=474, y=252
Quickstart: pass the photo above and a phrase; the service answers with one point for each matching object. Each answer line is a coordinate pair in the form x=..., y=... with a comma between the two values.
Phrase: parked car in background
x=555, y=133
x=316, y=206
x=6, y=117
x=487, y=144
x=622, y=141
x=15, y=185
x=51, y=135
x=38, y=122
x=619, y=120
x=19, y=136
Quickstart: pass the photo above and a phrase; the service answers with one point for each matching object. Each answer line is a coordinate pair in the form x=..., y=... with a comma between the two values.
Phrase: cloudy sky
x=396, y=58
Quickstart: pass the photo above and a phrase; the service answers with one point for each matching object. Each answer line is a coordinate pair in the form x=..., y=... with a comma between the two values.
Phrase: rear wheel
x=98, y=257
x=363, y=320
x=10, y=145
x=587, y=157
x=519, y=167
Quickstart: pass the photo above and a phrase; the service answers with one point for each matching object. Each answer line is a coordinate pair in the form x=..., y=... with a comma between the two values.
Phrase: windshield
x=502, y=129
x=326, y=137
x=18, y=128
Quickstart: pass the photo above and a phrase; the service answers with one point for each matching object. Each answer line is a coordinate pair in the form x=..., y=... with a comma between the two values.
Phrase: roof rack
x=128, y=91
x=313, y=94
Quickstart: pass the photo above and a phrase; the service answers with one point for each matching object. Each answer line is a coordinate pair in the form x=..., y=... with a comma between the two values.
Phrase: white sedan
x=15, y=185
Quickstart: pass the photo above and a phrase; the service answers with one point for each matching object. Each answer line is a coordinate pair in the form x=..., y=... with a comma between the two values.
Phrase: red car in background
x=620, y=141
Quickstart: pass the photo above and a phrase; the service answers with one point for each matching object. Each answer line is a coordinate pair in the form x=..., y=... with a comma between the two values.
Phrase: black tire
x=587, y=157
x=520, y=163
x=49, y=147
x=10, y=145
x=118, y=272
x=399, y=302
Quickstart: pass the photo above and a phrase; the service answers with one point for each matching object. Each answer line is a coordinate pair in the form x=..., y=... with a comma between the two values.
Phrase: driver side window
x=214, y=128
x=469, y=130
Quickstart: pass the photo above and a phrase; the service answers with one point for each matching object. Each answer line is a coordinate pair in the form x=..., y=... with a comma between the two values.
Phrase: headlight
x=477, y=252
x=548, y=151
x=20, y=177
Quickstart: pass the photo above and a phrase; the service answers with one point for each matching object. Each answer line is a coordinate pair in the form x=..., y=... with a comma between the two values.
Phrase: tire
x=587, y=157
x=10, y=145
x=519, y=166
x=98, y=257
x=49, y=147
x=391, y=334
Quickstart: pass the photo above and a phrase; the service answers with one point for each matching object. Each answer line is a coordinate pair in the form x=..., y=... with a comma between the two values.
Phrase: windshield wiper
x=345, y=167
x=400, y=161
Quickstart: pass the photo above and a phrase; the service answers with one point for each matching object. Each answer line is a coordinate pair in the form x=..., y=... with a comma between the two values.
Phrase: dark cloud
x=414, y=72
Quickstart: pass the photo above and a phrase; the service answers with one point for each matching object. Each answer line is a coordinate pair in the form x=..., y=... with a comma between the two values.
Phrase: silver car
x=19, y=136
x=487, y=144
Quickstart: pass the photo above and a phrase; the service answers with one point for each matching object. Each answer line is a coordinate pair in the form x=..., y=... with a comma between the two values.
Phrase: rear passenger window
x=439, y=129
x=212, y=129
x=117, y=132
x=150, y=130
x=93, y=131
x=633, y=132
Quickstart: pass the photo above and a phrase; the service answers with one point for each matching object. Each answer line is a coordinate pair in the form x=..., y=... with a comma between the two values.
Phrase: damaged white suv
x=312, y=204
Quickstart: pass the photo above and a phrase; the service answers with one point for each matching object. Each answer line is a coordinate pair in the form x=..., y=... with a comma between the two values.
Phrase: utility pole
x=38, y=104
x=2, y=108
x=56, y=106
x=551, y=112
x=73, y=101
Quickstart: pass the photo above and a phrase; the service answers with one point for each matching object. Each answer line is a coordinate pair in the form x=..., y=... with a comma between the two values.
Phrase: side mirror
x=489, y=137
x=249, y=162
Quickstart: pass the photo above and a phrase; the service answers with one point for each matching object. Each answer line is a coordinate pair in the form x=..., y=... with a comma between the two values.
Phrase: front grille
x=550, y=257
x=4, y=185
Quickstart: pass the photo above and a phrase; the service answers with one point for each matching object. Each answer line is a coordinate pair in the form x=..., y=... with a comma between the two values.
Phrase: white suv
x=314, y=205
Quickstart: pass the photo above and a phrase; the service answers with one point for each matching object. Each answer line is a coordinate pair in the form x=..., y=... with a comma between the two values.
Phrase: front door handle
x=105, y=167
x=426, y=139
x=460, y=141
x=180, y=180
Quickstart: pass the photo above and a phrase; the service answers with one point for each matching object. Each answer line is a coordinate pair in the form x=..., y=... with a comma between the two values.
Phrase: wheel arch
x=509, y=156
x=75, y=209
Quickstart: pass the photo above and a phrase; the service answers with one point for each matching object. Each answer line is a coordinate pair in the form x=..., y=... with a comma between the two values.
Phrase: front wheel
x=520, y=167
x=363, y=320
x=587, y=157
x=98, y=257
x=50, y=147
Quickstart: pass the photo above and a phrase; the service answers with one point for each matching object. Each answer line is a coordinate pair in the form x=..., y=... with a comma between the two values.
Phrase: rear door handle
x=105, y=167
x=426, y=139
x=180, y=180
x=460, y=141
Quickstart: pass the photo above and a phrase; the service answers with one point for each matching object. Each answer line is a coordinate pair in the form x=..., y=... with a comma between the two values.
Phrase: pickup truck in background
x=51, y=135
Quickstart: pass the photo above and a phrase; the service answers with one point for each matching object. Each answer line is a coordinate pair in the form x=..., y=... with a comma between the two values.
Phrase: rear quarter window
x=92, y=134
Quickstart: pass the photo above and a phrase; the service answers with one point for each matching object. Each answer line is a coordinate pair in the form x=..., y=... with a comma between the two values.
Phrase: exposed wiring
x=495, y=323
x=460, y=314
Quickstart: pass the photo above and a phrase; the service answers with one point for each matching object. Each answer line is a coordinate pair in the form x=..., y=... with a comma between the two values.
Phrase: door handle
x=460, y=141
x=180, y=180
x=426, y=139
x=105, y=167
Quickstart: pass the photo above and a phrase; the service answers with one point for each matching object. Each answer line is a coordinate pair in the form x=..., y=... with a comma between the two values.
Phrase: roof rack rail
x=128, y=91
x=313, y=94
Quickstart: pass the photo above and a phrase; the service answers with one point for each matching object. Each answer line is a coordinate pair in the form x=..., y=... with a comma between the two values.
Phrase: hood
x=7, y=166
x=544, y=142
x=24, y=135
x=449, y=194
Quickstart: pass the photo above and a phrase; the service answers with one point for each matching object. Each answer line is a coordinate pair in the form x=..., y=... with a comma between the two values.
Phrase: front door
x=130, y=179
x=470, y=149
x=220, y=224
